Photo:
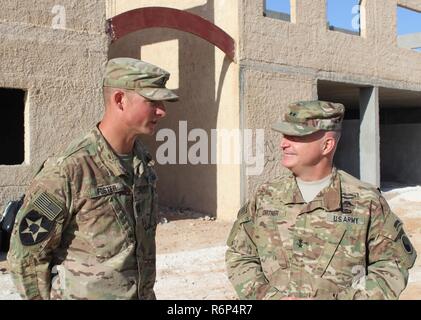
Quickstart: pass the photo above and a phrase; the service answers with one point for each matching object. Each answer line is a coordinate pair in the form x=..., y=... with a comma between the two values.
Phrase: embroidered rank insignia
x=46, y=205
x=34, y=228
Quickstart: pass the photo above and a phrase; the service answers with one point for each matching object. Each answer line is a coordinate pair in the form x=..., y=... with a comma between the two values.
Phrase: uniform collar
x=110, y=159
x=106, y=153
x=329, y=199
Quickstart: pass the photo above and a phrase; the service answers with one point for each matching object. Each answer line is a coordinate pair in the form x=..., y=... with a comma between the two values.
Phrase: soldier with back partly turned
x=86, y=229
x=317, y=232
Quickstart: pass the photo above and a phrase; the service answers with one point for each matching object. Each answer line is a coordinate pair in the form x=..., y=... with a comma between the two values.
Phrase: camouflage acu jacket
x=345, y=244
x=85, y=232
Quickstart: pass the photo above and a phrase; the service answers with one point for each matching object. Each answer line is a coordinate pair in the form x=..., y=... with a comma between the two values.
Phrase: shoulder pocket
x=242, y=217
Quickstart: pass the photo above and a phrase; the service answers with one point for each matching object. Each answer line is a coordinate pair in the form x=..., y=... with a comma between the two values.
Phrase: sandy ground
x=190, y=253
x=190, y=261
x=406, y=203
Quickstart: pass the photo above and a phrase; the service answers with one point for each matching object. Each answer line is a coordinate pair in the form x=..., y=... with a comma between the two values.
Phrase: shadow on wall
x=347, y=156
x=184, y=185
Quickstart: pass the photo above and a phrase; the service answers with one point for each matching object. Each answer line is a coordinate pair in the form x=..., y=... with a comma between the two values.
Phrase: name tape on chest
x=344, y=218
x=272, y=212
x=267, y=212
x=109, y=189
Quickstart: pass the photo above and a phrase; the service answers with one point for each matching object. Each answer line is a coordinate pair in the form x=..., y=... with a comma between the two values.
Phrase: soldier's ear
x=329, y=145
x=118, y=98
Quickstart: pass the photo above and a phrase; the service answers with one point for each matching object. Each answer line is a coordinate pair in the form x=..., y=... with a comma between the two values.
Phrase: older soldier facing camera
x=87, y=227
x=317, y=232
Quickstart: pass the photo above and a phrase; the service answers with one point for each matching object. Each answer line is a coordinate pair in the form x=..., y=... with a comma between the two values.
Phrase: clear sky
x=340, y=14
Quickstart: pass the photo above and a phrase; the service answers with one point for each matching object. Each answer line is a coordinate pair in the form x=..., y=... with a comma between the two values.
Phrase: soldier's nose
x=284, y=143
x=161, y=111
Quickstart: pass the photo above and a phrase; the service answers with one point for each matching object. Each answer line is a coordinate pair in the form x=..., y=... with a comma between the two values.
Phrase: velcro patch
x=34, y=228
x=344, y=218
x=46, y=205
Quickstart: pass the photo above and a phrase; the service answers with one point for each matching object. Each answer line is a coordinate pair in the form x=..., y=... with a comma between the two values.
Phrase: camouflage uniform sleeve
x=390, y=256
x=37, y=233
x=242, y=260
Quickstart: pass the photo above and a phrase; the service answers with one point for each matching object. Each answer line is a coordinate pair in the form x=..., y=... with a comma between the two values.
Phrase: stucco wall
x=304, y=50
x=265, y=92
x=370, y=58
x=61, y=71
x=207, y=83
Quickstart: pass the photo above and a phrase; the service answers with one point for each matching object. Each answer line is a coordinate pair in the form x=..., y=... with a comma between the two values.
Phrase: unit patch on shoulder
x=34, y=228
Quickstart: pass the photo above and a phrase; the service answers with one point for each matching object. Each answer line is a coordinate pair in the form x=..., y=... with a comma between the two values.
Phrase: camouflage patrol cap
x=306, y=117
x=144, y=78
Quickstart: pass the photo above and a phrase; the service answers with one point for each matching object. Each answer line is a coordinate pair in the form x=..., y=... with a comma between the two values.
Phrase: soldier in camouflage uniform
x=317, y=232
x=87, y=227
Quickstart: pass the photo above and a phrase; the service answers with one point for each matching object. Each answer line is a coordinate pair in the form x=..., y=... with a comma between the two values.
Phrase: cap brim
x=293, y=129
x=157, y=94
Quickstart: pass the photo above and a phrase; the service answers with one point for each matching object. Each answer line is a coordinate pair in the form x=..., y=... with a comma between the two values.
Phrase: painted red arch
x=160, y=17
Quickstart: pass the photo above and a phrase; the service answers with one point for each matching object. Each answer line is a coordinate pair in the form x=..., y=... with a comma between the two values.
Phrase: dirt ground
x=190, y=253
x=190, y=260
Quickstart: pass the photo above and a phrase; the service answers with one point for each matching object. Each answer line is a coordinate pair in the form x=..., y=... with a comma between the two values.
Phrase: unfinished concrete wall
x=400, y=153
x=304, y=51
x=207, y=83
x=347, y=155
x=56, y=54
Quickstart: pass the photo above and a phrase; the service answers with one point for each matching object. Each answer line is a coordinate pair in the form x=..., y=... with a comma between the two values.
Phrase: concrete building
x=278, y=59
x=52, y=55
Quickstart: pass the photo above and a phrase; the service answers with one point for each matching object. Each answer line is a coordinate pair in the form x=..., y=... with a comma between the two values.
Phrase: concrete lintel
x=410, y=41
x=370, y=136
x=410, y=4
x=277, y=15
x=353, y=79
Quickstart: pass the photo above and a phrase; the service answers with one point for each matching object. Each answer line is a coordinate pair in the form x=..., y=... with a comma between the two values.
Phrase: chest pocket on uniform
x=145, y=199
x=103, y=223
x=270, y=243
x=330, y=247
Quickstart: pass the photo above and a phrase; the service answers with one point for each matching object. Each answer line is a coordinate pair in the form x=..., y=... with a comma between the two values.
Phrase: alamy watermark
x=359, y=279
x=59, y=19
x=223, y=146
x=356, y=19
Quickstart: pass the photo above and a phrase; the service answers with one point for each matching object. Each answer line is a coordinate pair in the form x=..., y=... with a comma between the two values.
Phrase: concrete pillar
x=369, y=136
